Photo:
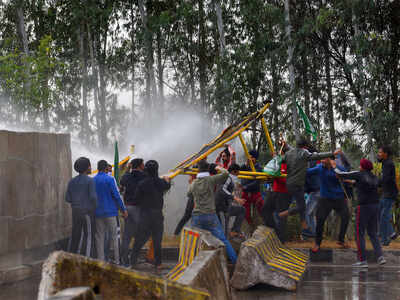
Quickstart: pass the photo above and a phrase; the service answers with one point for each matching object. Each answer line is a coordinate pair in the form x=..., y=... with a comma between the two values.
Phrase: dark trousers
x=239, y=212
x=130, y=229
x=324, y=208
x=297, y=193
x=276, y=202
x=186, y=217
x=151, y=224
x=83, y=230
x=367, y=220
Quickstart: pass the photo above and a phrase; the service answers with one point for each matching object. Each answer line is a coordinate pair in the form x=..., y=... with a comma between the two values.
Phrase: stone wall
x=34, y=171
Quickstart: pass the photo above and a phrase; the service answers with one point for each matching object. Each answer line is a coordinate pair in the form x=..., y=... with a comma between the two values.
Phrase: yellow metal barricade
x=188, y=249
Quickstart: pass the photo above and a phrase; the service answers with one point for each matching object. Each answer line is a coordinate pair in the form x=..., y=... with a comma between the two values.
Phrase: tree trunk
x=306, y=86
x=133, y=62
x=275, y=98
x=93, y=61
x=332, y=132
x=103, y=95
x=85, y=110
x=220, y=25
x=190, y=61
x=202, y=57
x=148, y=103
x=360, y=83
x=290, y=51
x=160, y=73
x=21, y=29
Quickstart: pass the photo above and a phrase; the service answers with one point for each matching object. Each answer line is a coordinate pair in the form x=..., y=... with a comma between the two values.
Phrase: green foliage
x=32, y=80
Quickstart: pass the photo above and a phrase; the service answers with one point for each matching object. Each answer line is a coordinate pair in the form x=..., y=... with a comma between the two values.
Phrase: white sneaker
x=360, y=264
x=381, y=260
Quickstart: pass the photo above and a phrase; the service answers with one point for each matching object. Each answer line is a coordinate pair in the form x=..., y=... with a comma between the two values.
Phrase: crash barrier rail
x=188, y=249
x=289, y=262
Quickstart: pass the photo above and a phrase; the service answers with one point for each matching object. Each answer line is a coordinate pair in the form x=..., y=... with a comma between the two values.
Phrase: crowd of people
x=96, y=204
x=316, y=183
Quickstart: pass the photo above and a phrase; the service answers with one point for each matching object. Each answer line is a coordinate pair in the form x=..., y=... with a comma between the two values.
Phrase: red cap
x=366, y=164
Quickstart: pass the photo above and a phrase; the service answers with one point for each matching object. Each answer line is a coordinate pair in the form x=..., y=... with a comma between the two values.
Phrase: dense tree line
x=63, y=63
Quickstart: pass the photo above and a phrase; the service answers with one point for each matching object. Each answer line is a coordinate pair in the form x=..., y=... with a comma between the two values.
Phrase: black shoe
x=386, y=243
x=394, y=236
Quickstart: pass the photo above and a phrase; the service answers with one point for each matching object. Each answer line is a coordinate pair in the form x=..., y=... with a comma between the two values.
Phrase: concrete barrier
x=76, y=293
x=202, y=263
x=34, y=171
x=264, y=259
x=209, y=271
x=64, y=270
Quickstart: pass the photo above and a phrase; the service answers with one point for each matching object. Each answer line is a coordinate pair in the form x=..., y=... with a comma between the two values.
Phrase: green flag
x=307, y=124
x=116, y=163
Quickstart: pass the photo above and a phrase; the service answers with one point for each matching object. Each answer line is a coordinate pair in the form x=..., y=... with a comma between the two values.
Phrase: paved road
x=328, y=282
x=322, y=282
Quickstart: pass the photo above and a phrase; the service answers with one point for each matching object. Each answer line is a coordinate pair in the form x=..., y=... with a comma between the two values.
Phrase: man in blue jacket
x=109, y=201
x=81, y=195
x=331, y=197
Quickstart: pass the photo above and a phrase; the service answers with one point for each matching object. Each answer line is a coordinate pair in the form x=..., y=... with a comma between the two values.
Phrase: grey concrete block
x=4, y=234
x=15, y=274
x=65, y=270
x=250, y=270
x=209, y=271
x=77, y=293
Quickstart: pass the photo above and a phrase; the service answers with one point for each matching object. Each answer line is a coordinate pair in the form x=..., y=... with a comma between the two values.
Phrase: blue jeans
x=386, y=228
x=211, y=223
x=311, y=208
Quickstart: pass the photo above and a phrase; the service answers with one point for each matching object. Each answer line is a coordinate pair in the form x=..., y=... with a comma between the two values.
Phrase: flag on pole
x=116, y=177
x=116, y=163
x=307, y=124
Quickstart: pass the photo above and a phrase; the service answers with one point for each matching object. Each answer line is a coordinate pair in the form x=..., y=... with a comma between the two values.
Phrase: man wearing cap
x=367, y=210
x=81, y=195
x=251, y=188
x=297, y=162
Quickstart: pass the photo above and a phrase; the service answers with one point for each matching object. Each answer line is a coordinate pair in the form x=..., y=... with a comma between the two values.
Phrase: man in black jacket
x=129, y=182
x=81, y=194
x=150, y=196
x=367, y=210
x=388, y=184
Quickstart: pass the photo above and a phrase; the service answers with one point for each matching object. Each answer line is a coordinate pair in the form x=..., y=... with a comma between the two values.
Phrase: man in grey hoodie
x=297, y=163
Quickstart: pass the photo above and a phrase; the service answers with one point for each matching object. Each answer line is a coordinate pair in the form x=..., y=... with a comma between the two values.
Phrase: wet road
x=322, y=282
x=328, y=282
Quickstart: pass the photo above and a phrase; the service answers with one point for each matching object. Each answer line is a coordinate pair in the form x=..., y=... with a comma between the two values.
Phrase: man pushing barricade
x=332, y=197
x=297, y=162
x=204, y=213
x=226, y=157
x=129, y=183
